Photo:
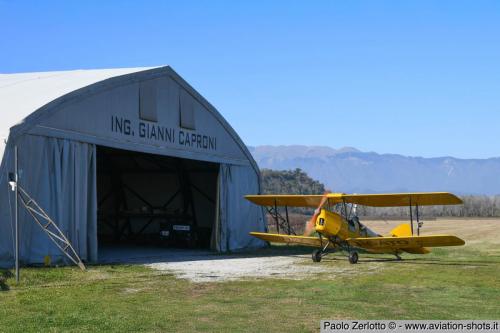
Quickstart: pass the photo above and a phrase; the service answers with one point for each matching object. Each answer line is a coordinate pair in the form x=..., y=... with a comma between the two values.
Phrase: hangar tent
x=120, y=155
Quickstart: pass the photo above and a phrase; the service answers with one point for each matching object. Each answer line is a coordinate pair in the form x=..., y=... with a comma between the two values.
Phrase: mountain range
x=352, y=171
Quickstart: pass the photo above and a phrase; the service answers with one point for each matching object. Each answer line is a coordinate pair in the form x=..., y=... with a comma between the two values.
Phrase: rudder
x=402, y=230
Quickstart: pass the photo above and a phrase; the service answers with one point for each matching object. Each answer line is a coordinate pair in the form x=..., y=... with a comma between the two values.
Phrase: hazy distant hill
x=350, y=170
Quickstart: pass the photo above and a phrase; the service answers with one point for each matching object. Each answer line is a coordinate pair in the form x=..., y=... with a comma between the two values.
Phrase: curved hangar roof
x=147, y=109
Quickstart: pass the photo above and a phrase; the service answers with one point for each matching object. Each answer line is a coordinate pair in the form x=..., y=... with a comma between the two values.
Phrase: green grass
x=457, y=283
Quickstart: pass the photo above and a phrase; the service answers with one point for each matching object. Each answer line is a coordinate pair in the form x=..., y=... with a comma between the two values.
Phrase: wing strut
x=282, y=223
x=419, y=224
x=411, y=217
x=50, y=227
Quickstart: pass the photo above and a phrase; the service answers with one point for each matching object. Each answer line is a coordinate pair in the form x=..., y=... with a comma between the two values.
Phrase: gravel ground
x=213, y=268
x=206, y=266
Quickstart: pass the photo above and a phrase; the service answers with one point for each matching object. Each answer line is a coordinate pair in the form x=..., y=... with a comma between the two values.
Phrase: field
x=450, y=283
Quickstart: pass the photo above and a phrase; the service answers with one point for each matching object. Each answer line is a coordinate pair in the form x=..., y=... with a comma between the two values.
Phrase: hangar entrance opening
x=151, y=200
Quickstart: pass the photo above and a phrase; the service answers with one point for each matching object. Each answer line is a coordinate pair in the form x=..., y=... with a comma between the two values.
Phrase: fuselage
x=331, y=224
x=336, y=228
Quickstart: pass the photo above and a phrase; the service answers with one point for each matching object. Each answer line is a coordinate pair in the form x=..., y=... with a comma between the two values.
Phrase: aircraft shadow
x=422, y=261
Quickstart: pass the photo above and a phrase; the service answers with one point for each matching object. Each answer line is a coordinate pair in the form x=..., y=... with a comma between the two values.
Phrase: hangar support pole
x=187, y=193
x=16, y=204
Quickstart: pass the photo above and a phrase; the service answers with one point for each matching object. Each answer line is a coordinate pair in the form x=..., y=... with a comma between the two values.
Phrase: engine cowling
x=329, y=224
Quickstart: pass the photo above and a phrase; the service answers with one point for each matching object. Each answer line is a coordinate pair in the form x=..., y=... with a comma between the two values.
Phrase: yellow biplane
x=338, y=227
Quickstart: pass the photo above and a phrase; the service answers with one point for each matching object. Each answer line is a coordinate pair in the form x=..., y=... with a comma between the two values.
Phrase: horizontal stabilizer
x=417, y=250
x=401, y=243
x=288, y=239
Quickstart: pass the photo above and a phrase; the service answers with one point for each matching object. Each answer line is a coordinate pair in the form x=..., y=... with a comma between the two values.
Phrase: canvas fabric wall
x=234, y=183
x=60, y=175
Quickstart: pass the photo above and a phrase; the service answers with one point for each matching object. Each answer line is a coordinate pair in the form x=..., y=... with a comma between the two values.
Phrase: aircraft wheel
x=353, y=257
x=316, y=255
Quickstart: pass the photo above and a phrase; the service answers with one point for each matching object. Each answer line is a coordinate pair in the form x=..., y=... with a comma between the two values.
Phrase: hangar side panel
x=60, y=175
x=238, y=217
x=124, y=117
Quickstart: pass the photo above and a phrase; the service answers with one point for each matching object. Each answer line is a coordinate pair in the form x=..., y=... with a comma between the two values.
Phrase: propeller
x=312, y=222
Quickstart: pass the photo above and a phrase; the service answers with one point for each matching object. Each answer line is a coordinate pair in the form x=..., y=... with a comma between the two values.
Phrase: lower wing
x=410, y=244
x=288, y=239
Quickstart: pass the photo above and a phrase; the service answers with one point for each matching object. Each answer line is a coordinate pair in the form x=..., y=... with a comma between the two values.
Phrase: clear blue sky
x=410, y=77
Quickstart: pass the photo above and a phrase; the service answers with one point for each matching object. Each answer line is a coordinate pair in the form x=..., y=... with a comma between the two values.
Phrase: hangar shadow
x=129, y=254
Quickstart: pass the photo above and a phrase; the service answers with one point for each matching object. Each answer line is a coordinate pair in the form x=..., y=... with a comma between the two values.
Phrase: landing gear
x=353, y=257
x=320, y=253
x=398, y=257
x=317, y=255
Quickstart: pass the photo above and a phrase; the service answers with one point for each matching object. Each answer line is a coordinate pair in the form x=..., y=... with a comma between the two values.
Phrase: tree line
x=289, y=182
x=298, y=182
x=474, y=206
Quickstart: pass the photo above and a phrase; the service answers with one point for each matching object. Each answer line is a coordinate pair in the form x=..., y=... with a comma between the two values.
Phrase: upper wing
x=405, y=242
x=286, y=200
x=374, y=200
x=402, y=199
x=301, y=240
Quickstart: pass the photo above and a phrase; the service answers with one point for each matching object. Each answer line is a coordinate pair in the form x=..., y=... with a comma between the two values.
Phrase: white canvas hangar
x=122, y=156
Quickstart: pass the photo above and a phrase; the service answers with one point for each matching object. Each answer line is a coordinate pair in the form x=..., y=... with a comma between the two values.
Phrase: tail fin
x=402, y=230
